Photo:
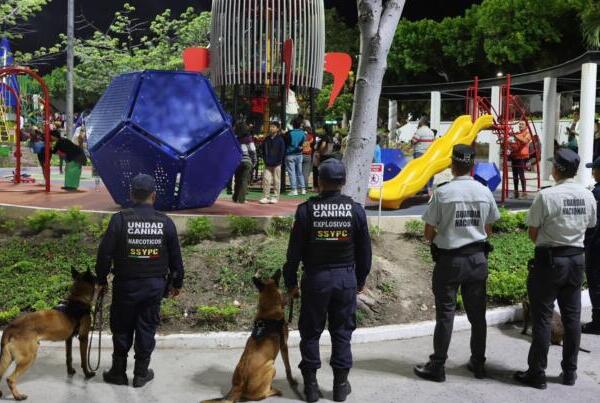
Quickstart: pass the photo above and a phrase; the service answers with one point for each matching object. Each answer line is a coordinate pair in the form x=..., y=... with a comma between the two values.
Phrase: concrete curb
x=216, y=340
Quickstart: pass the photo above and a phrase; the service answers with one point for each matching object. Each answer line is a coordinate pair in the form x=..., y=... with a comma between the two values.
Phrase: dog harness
x=263, y=328
x=75, y=310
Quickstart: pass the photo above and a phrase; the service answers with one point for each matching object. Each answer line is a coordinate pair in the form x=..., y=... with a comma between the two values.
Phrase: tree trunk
x=377, y=20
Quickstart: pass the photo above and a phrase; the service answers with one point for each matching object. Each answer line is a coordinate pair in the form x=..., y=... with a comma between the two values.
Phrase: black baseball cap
x=332, y=170
x=594, y=165
x=142, y=185
x=463, y=153
x=566, y=160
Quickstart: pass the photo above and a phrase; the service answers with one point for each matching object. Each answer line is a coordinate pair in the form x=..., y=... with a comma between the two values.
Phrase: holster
x=168, y=286
x=487, y=249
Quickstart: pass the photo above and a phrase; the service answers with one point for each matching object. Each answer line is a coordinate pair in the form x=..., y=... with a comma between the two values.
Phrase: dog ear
x=276, y=277
x=258, y=283
x=74, y=273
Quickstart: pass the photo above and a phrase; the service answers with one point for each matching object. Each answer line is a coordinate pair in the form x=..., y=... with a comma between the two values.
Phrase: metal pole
x=70, y=64
x=379, y=214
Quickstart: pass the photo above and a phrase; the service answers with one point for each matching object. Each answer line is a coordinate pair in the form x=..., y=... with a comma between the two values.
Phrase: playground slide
x=419, y=171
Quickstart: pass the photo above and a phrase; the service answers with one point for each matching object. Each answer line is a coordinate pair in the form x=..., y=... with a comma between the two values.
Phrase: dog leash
x=291, y=313
x=97, y=325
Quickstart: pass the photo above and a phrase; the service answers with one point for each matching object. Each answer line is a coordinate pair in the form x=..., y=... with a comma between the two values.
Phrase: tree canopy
x=15, y=13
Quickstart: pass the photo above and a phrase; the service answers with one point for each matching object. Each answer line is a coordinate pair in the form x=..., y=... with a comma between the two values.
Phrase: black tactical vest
x=331, y=239
x=143, y=251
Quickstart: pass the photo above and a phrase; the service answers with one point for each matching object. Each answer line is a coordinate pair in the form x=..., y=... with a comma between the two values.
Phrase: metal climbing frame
x=18, y=154
x=512, y=110
x=22, y=71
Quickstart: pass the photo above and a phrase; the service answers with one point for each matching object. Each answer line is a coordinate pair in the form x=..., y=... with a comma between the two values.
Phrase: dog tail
x=5, y=354
x=233, y=396
x=584, y=350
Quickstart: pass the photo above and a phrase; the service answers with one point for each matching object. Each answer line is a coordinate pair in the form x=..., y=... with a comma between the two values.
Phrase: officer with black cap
x=457, y=224
x=142, y=248
x=331, y=238
x=592, y=258
x=558, y=219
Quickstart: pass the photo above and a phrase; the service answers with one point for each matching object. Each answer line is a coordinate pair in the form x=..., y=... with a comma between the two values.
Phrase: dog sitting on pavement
x=21, y=338
x=254, y=374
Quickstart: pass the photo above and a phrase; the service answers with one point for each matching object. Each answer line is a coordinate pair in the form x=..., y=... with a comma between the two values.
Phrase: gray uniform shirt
x=562, y=214
x=460, y=210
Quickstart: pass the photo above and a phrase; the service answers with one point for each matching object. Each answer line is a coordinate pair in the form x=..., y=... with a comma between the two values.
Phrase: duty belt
x=466, y=250
x=315, y=269
x=561, y=251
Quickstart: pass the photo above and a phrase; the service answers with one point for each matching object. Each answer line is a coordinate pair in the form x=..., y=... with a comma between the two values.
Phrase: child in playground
x=520, y=156
x=74, y=156
x=421, y=142
x=273, y=150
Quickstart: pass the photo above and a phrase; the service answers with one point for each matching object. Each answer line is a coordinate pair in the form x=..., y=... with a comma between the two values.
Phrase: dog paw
x=20, y=398
x=71, y=371
x=90, y=375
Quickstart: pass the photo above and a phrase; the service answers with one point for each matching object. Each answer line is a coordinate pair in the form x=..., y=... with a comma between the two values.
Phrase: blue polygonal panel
x=178, y=109
x=171, y=127
x=112, y=108
x=393, y=162
x=488, y=174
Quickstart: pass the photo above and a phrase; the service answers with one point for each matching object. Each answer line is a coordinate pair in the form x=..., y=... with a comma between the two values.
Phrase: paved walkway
x=382, y=373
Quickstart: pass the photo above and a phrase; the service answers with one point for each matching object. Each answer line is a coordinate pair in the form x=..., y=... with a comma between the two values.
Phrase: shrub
x=7, y=316
x=507, y=281
x=414, y=229
x=40, y=220
x=217, y=315
x=198, y=229
x=241, y=225
x=271, y=256
x=97, y=229
x=7, y=225
x=169, y=309
x=281, y=225
x=510, y=222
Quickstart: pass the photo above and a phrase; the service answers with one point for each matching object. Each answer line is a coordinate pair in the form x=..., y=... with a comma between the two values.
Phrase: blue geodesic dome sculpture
x=169, y=125
x=393, y=161
x=488, y=174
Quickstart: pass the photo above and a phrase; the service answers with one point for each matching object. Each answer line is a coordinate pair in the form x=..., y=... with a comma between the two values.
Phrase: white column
x=435, y=115
x=550, y=126
x=587, y=111
x=494, y=153
x=392, y=115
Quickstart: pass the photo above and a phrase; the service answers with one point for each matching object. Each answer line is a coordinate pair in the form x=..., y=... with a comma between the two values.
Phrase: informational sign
x=376, y=177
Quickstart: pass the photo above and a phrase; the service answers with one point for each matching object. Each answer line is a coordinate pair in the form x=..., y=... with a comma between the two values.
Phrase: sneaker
x=303, y=192
x=265, y=200
x=293, y=193
x=273, y=200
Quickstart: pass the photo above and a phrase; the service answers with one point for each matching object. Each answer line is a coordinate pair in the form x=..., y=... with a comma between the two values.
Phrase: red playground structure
x=507, y=114
x=13, y=70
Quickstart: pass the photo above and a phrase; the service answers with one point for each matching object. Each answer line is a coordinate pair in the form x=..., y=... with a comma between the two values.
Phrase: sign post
x=376, y=181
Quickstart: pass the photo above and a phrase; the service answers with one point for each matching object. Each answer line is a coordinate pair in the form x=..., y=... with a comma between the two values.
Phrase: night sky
x=52, y=20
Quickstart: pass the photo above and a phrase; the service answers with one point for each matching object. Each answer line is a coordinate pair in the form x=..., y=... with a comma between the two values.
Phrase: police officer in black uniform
x=142, y=248
x=592, y=258
x=558, y=220
x=331, y=238
x=457, y=223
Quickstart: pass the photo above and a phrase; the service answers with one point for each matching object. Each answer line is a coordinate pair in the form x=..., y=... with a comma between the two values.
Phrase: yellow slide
x=418, y=172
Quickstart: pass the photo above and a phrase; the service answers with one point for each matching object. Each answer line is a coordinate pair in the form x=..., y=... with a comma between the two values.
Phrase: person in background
x=519, y=156
x=597, y=139
x=421, y=141
x=293, y=158
x=74, y=156
x=307, y=153
x=573, y=133
x=377, y=155
x=243, y=173
x=273, y=151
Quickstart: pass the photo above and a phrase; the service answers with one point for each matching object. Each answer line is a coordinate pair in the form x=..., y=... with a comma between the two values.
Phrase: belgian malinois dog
x=557, y=330
x=254, y=374
x=20, y=340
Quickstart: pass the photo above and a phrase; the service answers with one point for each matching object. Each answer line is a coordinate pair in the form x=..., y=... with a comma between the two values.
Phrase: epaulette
x=546, y=187
x=441, y=184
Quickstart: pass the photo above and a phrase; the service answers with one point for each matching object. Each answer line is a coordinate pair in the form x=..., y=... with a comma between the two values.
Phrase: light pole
x=70, y=64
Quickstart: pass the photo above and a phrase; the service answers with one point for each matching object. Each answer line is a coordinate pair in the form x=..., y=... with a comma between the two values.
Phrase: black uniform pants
x=328, y=295
x=470, y=274
x=592, y=272
x=556, y=278
x=135, y=313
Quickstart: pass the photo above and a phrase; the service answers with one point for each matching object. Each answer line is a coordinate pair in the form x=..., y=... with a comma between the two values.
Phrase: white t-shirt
x=422, y=139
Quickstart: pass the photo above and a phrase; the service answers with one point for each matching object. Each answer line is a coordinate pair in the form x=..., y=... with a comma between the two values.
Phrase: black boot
x=478, y=369
x=341, y=386
x=141, y=374
x=311, y=387
x=431, y=372
x=569, y=378
x=529, y=379
x=592, y=327
x=117, y=374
